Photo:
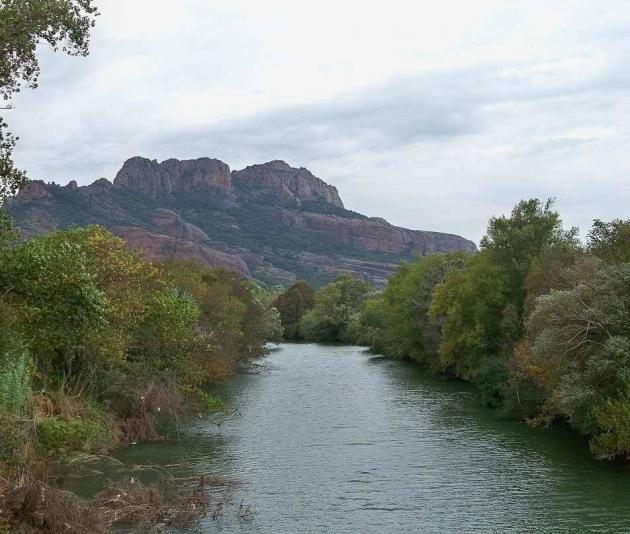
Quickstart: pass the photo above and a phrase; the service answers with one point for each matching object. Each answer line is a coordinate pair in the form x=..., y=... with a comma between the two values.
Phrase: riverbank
x=100, y=349
x=536, y=321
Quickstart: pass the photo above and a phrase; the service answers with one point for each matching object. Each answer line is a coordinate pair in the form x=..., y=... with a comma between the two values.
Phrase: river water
x=334, y=439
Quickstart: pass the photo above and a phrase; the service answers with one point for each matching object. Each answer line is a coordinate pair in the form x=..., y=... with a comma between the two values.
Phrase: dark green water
x=332, y=439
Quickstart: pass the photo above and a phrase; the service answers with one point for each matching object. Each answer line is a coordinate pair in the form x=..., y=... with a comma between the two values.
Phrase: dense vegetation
x=99, y=347
x=539, y=323
x=335, y=305
x=292, y=305
x=330, y=315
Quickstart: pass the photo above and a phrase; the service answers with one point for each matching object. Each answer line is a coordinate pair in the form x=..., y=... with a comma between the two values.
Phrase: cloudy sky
x=434, y=115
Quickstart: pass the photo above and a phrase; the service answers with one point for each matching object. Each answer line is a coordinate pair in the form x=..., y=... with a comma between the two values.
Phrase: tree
x=610, y=241
x=368, y=326
x=483, y=305
x=62, y=24
x=8, y=233
x=406, y=330
x=577, y=354
x=477, y=319
x=516, y=242
x=292, y=305
x=60, y=305
x=235, y=320
x=334, y=309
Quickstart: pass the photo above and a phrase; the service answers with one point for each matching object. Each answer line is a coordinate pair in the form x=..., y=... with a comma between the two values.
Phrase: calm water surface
x=333, y=439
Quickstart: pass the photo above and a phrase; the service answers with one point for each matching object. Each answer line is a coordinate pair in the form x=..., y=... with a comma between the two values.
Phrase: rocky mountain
x=271, y=221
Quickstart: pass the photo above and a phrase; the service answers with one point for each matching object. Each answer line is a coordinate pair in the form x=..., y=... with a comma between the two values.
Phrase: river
x=334, y=439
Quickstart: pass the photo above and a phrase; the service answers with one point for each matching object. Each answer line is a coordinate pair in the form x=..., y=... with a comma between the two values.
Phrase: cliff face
x=271, y=221
x=173, y=176
x=278, y=183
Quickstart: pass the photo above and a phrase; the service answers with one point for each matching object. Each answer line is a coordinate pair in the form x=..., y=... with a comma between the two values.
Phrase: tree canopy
x=335, y=306
x=537, y=322
x=292, y=305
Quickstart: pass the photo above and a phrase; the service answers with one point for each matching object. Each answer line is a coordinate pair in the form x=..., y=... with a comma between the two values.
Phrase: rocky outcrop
x=276, y=182
x=374, y=235
x=34, y=190
x=271, y=221
x=172, y=224
x=163, y=247
x=173, y=176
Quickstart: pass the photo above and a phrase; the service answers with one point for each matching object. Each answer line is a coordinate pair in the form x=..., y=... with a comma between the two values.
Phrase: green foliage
x=167, y=335
x=334, y=310
x=292, y=305
x=610, y=241
x=470, y=302
x=406, y=330
x=538, y=324
x=577, y=352
x=23, y=25
x=613, y=437
x=516, y=242
x=483, y=305
x=111, y=343
x=49, y=281
x=368, y=326
x=275, y=330
x=15, y=381
x=8, y=233
x=57, y=435
x=234, y=318
x=11, y=178
x=213, y=403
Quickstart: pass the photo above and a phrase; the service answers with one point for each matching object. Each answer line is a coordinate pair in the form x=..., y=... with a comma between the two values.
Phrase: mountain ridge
x=268, y=221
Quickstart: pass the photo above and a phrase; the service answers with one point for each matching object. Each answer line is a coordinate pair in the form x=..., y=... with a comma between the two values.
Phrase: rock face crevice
x=269, y=221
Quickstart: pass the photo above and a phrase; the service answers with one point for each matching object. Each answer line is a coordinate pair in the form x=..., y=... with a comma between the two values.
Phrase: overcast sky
x=434, y=115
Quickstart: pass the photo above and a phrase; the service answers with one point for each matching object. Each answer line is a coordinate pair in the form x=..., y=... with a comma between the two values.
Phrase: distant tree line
x=538, y=322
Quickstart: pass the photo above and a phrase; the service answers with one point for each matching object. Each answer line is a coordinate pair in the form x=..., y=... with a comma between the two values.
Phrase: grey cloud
x=441, y=149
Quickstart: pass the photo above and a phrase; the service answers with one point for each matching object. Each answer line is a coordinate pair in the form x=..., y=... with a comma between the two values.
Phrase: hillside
x=271, y=221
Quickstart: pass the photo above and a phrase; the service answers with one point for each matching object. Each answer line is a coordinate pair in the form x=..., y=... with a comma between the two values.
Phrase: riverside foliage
x=100, y=347
x=539, y=323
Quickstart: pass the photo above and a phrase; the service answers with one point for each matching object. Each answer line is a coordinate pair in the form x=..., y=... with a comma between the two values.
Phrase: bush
x=15, y=446
x=15, y=381
x=213, y=403
x=59, y=435
x=613, y=436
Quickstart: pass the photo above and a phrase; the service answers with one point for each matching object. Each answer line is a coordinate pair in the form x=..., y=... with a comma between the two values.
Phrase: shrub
x=59, y=435
x=15, y=381
x=213, y=403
